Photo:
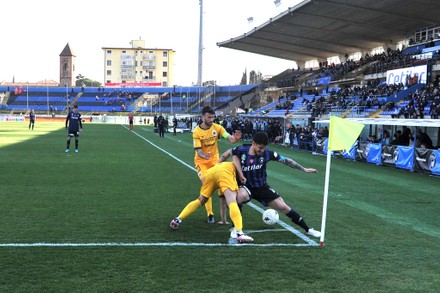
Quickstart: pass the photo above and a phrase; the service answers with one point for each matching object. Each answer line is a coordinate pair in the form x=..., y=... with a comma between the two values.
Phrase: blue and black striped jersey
x=254, y=166
x=74, y=121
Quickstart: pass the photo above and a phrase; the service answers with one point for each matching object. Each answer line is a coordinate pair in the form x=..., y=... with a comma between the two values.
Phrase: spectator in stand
x=406, y=135
x=424, y=139
x=386, y=140
x=397, y=140
x=292, y=132
x=248, y=129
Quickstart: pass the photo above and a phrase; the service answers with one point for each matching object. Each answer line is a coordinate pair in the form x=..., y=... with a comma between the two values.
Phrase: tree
x=84, y=81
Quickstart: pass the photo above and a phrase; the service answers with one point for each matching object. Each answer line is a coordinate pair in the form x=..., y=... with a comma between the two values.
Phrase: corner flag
x=343, y=133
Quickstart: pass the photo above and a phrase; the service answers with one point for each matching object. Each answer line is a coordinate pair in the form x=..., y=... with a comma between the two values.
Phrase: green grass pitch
x=97, y=221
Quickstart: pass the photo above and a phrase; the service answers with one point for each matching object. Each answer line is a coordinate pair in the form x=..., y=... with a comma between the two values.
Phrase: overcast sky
x=35, y=32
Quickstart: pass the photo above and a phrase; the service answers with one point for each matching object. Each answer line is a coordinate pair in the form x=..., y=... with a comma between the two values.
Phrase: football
x=270, y=217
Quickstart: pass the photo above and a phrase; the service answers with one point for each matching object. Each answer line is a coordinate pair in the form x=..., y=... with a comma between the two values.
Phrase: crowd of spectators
x=414, y=105
x=362, y=97
x=274, y=127
x=375, y=63
x=374, y=95
x=392, y=59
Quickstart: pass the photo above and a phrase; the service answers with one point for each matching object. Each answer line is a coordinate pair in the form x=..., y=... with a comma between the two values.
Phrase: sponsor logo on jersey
x=251, y=168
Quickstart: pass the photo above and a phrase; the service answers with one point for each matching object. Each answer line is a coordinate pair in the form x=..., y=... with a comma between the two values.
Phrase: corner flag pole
x=324, y=205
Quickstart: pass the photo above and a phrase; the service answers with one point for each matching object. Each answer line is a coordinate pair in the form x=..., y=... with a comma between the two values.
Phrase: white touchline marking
x=164, y=151
x=145, y=244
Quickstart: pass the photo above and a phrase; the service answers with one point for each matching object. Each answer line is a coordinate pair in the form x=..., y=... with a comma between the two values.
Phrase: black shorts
x=263, y=194
x=73, y=133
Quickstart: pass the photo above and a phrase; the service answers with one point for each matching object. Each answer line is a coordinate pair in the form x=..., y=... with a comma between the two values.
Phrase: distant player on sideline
x=31, y=119
x=250, y=162
x=131, y=121
x=205, y=139
x=73, y=120
x=161, y=125
x=223, y=177
x=174, y=125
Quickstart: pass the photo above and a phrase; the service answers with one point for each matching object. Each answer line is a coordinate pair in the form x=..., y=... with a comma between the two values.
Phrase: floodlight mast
x=199, y=73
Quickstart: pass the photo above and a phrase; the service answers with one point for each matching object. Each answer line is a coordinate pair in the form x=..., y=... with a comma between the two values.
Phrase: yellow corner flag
x=343, y=133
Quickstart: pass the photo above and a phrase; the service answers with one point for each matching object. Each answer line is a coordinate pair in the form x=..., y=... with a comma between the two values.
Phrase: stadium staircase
x=375, y=114
x=72, y=102
x=7, y=99
x=238, y=100
x=347, y=112
x=139, y=103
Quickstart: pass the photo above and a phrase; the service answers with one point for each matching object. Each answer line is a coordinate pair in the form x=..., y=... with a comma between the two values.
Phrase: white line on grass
x=144, y=244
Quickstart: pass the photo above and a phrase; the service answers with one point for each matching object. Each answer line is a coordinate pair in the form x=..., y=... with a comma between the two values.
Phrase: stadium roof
x=323, y=28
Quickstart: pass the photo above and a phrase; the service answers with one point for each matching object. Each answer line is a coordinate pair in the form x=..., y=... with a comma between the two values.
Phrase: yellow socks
x=235, y=215
x=190, y=208
x=208, y=207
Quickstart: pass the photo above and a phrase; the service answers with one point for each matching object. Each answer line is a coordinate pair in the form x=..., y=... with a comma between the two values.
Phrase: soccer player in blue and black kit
x=31, y=119
x=252, y=160
x=73, y=119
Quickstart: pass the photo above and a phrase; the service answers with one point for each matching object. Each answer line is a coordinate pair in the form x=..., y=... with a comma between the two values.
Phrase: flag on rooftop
x=343, y=133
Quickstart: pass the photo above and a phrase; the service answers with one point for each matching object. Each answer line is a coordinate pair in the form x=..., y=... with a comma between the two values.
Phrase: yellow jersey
x=207, y=140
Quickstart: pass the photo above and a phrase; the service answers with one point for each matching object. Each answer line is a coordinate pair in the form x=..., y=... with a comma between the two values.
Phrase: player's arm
x=67, y=120
x=224, y=157
x=198, y=148
x=293, y=164
x=232, y=138
x=237, y=164
x=203, y=155
x=80, y=123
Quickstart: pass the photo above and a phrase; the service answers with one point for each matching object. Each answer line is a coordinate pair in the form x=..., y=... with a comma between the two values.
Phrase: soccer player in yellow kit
x=223, y=177
x=205, y=139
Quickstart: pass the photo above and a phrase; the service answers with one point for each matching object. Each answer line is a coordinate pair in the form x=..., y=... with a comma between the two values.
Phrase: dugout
x=410, y=157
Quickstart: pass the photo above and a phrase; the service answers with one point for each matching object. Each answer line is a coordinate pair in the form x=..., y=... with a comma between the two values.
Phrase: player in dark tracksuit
x=161, y=125
x=73, y=122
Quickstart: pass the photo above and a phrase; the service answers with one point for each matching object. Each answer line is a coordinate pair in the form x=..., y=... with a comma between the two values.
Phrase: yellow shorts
x=221, y=176
x=202, y=169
